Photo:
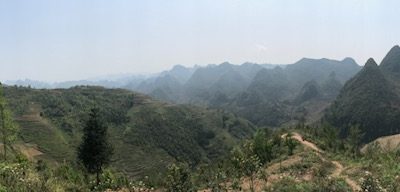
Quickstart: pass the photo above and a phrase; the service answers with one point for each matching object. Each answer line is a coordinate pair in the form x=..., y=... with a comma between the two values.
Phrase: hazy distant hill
x=262, y=88
x=181, y=73
x=200, y=84
x=331, y=87
x=275, y=96
x=248, y=88
x=165, y=87
x=111, y=81
x=310, y=90
x=320, y=69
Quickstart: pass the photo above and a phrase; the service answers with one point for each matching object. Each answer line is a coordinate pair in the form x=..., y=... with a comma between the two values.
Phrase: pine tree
x=8, y=129
x=95, y=151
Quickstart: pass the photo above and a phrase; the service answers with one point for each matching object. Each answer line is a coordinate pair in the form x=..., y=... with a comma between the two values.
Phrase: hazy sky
x=58, y=40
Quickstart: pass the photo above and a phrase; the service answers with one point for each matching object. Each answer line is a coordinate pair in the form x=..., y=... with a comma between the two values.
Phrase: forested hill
x=147, y=135
x=370, y=99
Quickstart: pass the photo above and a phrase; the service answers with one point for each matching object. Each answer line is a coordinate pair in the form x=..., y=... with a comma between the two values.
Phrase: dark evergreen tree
x=95, y=151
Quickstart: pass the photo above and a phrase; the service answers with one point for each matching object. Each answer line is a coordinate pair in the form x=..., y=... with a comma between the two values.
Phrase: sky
x=58, y=40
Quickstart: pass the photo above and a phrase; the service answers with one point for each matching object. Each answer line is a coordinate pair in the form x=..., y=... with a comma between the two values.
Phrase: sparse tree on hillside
x=290, y=143
x=179, y=179
x=331, y=136
x=8, y=129
x=95, y=151
x=247, y=163
x=262, y=147
x=354, y=139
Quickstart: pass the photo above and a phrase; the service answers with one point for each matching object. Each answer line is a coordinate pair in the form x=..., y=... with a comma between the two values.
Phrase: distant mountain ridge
x=247, y=88
x=228, y=80
x=111, y=81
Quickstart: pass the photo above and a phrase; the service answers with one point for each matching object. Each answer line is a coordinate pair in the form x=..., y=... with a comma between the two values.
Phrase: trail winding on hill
x=339, y=167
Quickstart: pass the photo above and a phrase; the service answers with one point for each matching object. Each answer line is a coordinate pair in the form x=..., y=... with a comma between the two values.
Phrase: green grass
x=51, y=141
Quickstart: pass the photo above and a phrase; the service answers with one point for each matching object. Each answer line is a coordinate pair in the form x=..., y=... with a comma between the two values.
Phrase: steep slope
x=230, y=83
x=270, y=84
x=197, y=87
x=390, y=67
x=204, y=77
x=310, y=90
x=147, y=135
x=165, y=87
x=262, y=102
x=331, y=87
x=391, y=62
x=248, y=70
x=210, y=83
x=311, y=83
x=367, y=100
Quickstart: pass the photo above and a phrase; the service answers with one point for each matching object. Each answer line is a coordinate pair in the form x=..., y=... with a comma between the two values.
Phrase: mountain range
x=340, y=92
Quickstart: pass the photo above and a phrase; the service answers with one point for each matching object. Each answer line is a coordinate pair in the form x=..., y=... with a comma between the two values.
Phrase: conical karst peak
x=394, y=51
x=371, y=63
x=391, y=62
x=395, y=48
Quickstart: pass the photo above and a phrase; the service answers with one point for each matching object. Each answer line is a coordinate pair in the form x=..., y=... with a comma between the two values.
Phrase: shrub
x=371, y=184
x=179, y=179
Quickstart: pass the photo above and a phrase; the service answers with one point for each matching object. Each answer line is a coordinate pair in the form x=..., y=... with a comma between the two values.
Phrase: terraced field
x=49, y=139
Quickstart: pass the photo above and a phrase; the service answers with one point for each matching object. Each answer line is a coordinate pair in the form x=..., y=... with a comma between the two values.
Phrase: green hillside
x=367, y=100
x=147, y=135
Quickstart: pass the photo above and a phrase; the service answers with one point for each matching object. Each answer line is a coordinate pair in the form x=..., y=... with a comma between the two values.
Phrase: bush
x=179, y=179
x=371, y=184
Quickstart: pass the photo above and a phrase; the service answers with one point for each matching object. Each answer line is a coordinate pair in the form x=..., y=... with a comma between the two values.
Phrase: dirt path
x=299, y=138
x=338, y=170
x=259, y=184
x=30, y=151
x=339, y=167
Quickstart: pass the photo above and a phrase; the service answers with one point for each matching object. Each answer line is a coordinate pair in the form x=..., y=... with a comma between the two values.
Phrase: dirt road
x=339, y=167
